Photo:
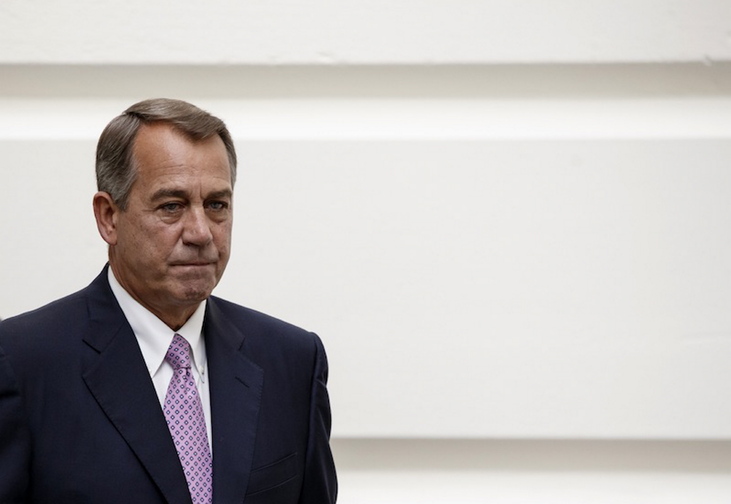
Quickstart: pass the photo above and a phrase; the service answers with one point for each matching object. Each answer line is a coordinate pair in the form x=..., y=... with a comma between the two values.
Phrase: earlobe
x=105, y=213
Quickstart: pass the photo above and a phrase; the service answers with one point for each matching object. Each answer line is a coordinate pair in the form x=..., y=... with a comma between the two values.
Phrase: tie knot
x=178, y=353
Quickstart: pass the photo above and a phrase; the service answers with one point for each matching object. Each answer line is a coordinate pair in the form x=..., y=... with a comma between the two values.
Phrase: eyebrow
x=179, y=193
x=222, y=194
x=169, y=193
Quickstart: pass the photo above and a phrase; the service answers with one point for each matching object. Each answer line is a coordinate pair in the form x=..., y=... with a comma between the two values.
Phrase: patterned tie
x=184, y=415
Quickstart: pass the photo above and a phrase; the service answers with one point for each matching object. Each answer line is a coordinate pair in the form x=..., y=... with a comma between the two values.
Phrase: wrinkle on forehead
x=167, y=160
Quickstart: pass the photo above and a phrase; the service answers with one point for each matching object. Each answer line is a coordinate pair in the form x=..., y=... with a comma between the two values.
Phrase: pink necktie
x=184, y=415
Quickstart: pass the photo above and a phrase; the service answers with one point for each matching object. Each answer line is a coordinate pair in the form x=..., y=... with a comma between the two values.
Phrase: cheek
x=222, y=236
x=156, y=243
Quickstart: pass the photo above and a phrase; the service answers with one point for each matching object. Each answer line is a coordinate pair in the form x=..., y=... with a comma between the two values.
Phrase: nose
x=196, y=228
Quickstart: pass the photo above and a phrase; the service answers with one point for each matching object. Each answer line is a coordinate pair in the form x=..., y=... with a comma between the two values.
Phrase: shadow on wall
x=713, y=456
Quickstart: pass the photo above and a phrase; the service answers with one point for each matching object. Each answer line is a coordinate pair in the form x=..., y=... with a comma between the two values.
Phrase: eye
x=217, y=206
x=171, y=207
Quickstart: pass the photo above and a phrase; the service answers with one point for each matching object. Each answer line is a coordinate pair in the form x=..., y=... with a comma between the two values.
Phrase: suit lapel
x=116, y=375
x=235, y=386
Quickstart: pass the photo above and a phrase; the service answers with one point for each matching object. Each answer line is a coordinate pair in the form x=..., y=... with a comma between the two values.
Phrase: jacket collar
x=115, y=373
x=117, y=377
x=236, y=386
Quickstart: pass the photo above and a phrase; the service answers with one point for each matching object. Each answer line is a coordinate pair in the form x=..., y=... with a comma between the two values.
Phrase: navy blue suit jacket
x=80, y=421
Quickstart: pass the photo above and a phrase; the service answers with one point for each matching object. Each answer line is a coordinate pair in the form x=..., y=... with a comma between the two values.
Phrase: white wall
x=358, y=32
x=507, y=220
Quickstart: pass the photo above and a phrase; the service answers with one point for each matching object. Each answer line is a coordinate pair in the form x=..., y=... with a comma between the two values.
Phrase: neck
x=173, y=320
x=172, y=315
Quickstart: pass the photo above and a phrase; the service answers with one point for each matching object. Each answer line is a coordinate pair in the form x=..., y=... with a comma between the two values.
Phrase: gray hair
x=115, y=164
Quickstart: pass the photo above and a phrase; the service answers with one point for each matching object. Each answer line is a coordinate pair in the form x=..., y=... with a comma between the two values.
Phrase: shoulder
x=63, y=312
x=262, y=330
x=63, y=315
x=46, y=338
x=254, y=318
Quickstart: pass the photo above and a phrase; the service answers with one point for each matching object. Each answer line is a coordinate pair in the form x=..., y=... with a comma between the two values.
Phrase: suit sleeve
x=320, y=484
x=14, y=438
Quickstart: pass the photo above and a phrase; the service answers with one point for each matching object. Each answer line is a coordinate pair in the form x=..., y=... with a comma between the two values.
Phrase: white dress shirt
x=154, y=338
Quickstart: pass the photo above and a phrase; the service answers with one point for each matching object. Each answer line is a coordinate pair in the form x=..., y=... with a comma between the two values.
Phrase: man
x=142, y=387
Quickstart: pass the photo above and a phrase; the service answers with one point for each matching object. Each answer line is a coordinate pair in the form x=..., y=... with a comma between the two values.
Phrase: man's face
x=173, y=241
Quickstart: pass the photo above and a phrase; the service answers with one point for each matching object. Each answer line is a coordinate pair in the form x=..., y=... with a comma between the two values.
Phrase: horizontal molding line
x=399, y=120
x=427, y=81
x=407, y=139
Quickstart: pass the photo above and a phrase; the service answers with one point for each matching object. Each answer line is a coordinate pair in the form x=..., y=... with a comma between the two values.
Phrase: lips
x=193, y=266
x=194, y=262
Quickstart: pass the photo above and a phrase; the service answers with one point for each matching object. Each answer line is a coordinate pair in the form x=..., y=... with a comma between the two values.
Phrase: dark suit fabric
x=80, y=421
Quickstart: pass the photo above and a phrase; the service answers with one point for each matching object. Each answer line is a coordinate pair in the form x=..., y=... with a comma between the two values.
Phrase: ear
x=105, y=213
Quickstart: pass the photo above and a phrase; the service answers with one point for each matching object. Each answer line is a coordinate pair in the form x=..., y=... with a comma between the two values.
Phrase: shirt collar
x=154, y=336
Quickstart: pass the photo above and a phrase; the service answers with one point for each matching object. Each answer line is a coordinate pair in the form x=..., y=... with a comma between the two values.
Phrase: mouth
x=194, y=264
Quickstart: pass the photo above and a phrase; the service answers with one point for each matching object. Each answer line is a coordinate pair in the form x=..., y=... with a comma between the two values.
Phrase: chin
x=195, y=295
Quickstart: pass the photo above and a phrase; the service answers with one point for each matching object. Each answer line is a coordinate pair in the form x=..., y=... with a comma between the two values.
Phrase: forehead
x=164, y=155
